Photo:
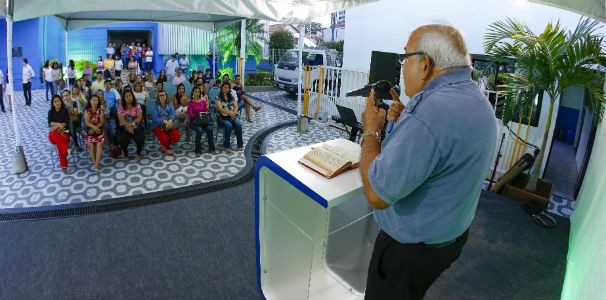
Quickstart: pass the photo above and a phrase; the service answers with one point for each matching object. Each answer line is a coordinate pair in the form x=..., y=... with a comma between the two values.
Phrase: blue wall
x=566, y=124
x=25, y=35
x=44, y=39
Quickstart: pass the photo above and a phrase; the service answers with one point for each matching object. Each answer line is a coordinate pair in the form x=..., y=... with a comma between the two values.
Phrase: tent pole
x=242, y=62
x=67, y=63
x=214, y=58
x=301, y=37
x=18, y=158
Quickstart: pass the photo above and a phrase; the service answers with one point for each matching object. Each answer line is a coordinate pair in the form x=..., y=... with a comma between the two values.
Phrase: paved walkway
x=46, y=185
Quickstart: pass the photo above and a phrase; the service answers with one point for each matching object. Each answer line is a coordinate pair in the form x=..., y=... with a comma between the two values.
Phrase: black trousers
x=406, y=271
x=27, y=93
x=124, y=139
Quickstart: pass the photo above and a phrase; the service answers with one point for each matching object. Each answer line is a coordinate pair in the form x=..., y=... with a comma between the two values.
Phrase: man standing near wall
x=424, y=180
x=149, y=60
x=27, y=75
x=171, y=65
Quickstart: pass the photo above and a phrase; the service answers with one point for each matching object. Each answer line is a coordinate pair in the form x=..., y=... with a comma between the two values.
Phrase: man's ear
x=428, y=68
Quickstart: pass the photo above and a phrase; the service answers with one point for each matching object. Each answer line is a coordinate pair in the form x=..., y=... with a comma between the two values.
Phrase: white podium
x=314, y=235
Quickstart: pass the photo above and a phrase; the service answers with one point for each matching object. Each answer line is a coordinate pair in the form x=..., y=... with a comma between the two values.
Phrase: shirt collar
x=449, y=77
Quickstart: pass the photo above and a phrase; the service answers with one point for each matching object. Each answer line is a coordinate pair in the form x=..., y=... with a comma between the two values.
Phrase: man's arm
x=372, y=123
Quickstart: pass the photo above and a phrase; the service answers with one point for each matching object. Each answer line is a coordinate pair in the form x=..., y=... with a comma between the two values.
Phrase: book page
x=353, y=157
x=325, y=159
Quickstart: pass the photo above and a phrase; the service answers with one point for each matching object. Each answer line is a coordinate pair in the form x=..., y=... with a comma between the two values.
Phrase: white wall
x=573, y=96
x=584, y=138
x=385, y=25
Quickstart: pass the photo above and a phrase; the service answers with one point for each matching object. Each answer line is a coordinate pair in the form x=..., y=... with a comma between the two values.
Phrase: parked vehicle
x=286, y=72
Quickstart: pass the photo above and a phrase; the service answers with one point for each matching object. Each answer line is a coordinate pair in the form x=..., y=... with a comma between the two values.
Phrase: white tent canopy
x=205, y=14
x=591, y=8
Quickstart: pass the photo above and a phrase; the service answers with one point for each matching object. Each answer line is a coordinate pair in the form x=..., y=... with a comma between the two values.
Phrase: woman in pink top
x=199, y=103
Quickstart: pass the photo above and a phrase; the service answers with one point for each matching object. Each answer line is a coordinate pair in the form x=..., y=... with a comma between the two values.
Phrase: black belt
x=438, y=245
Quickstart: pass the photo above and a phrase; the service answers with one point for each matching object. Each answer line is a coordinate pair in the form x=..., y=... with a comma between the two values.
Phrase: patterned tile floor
x=45, y=185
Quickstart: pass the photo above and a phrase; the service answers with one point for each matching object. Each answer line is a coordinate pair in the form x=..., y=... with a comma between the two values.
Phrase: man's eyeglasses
x=403, y=57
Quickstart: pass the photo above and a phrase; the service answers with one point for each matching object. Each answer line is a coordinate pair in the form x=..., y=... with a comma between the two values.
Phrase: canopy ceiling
x=205, y=14
x=591, y=8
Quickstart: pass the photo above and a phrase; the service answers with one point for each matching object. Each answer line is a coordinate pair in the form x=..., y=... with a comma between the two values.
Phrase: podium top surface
x=327, y=192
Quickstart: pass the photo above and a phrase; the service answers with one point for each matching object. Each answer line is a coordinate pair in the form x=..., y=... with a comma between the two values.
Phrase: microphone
x=381, y=88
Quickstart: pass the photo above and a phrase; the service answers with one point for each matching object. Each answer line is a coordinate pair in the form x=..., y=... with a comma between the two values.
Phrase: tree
x=229, y=42
x=313, y=28
x=551, y=62
x=281, y=39
x=334, y=45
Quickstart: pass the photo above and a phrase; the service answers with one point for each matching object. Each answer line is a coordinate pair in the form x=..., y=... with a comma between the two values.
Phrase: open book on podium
x=330, y=160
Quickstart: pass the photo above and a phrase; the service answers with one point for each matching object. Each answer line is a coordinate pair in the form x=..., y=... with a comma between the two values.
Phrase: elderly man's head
x=437, y=48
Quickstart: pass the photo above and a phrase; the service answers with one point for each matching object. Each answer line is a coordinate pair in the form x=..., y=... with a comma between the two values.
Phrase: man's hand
x=373, y=118
x=396, y=108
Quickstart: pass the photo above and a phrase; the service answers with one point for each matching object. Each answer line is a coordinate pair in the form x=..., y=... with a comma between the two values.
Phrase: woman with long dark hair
x=47, y=77
x=94, y=119
x=71, y=73
x=227, y=107
x=130, y=116
x=58, y=122
x=199, y=103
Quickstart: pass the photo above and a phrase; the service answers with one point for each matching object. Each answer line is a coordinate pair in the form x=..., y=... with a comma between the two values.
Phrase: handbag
x=202, y=119
x=164, y=127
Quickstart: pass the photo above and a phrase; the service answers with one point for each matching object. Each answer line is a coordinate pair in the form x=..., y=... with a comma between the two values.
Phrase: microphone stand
x=496, y=162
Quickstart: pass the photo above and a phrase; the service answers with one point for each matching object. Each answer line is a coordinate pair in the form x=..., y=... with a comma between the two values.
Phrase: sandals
x=256, y=108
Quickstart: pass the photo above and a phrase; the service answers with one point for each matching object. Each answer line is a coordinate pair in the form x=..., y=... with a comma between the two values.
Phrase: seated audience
x=179, y=78
x=179, y=101
x=58, y=120
x=74, y=117
x=162, y=76
x=199, y=103
x=142, y=97
x=243, y=99
x=164, y=123
x=227, y=108
x=94, y=119
x=130, y=117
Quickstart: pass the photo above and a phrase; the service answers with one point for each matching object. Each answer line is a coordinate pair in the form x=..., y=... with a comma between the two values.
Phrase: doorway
x=120, y=37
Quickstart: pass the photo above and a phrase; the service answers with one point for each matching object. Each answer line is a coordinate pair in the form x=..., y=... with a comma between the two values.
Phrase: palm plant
x=550, y=61
x=229, y=41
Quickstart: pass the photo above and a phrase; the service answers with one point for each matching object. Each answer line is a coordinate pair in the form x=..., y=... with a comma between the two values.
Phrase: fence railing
x=326, y=88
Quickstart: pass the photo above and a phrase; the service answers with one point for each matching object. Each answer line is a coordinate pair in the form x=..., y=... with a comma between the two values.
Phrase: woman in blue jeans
x=227, y=107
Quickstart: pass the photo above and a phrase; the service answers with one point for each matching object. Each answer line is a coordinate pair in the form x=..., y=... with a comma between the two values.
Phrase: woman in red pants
x=58, y=120
x=164, y=123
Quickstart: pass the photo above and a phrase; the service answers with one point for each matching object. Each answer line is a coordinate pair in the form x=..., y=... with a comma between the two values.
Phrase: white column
x=300, y=94
x=18, y=158
x=242, y=49
x=66, y=62
x=214, y=66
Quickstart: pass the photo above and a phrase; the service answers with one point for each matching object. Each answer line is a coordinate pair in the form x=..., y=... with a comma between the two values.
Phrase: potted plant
x=550, y=61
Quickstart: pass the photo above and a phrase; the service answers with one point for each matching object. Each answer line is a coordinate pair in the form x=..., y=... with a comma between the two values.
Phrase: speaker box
x=384, y=66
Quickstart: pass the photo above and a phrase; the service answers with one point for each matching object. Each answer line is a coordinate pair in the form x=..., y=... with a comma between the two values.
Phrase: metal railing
x=325, y=88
